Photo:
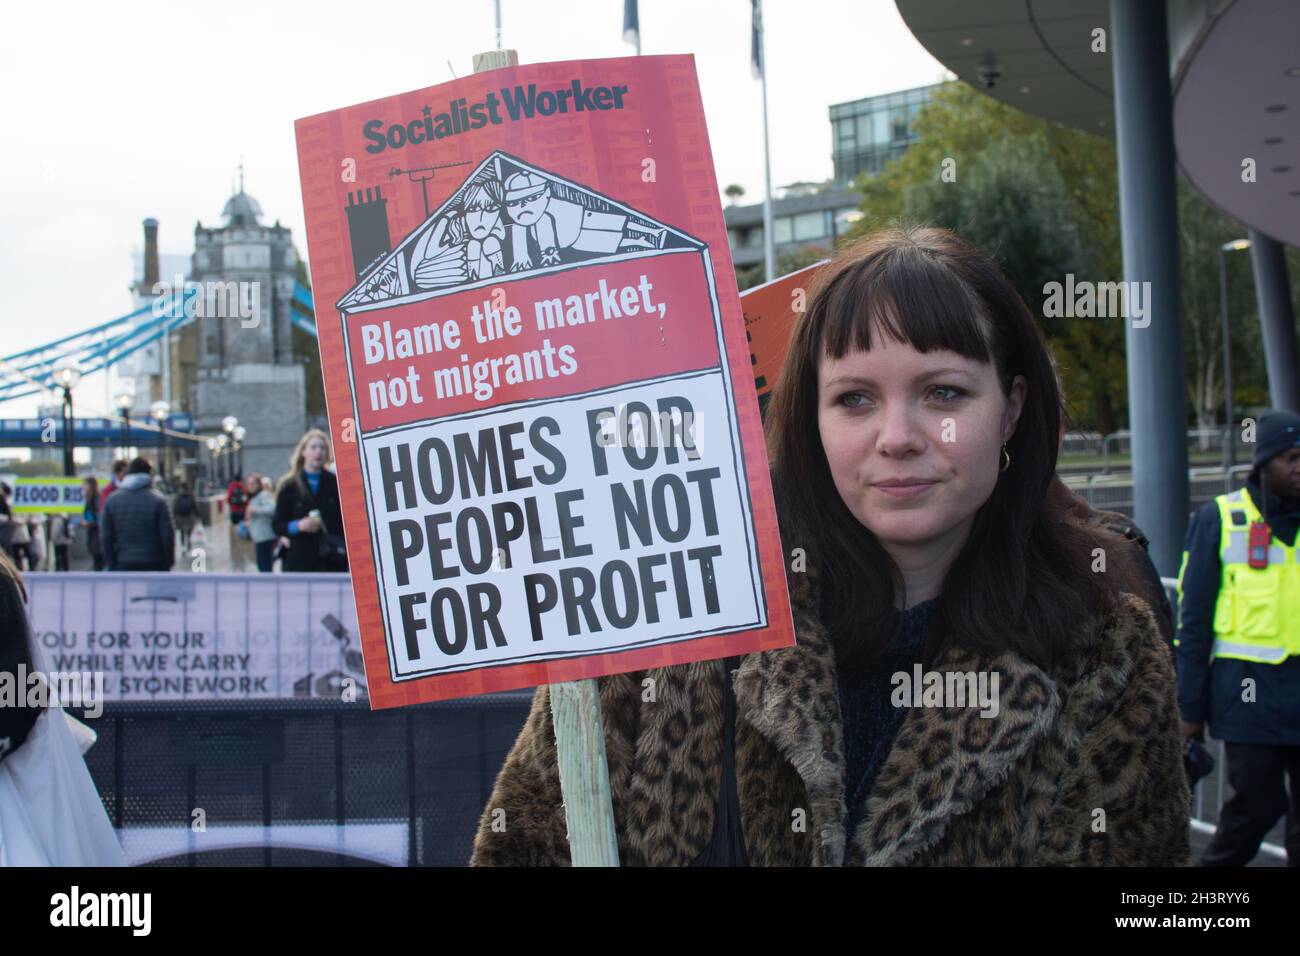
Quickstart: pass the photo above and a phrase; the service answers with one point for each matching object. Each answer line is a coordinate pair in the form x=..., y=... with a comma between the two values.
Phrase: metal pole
x=69, y=439
x=1230, y=451
x=1149, y=228
x=769, y=240
x=1276, y=321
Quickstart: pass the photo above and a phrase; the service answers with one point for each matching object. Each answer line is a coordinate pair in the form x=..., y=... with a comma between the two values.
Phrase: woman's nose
x=900, y=432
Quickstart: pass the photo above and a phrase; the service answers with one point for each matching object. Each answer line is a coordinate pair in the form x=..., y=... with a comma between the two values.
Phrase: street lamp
x=1230, y=452
x=159, y=411
x=223, y=442
x=212, y=455
x=67, y=373
x=228, y=425
x=238, y=434
x=124, y=401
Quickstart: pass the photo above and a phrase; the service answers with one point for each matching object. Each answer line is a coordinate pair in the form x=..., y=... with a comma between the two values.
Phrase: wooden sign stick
x=576, y=714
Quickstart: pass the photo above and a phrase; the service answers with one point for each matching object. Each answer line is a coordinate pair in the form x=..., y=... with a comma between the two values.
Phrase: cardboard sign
x=548, y=440
x=771, y=310
x=47, y=496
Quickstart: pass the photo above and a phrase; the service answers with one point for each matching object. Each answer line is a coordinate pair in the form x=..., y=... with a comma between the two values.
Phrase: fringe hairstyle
x=1023, y=580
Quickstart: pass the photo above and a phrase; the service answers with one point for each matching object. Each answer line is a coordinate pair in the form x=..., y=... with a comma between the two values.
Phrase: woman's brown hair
x=1023, y=581
x=9, y=570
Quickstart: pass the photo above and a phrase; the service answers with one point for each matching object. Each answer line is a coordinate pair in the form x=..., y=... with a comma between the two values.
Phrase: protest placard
x=771, y=311
x=547, y=435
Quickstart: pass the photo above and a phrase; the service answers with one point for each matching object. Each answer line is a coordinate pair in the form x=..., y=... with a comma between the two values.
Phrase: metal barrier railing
x=235, y=728
x=1200, y=822
x=1114, y=492
x=292, y=783
x=1202, y=444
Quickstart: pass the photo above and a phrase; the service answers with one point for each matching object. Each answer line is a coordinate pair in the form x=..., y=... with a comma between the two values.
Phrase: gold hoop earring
x=1006, y=459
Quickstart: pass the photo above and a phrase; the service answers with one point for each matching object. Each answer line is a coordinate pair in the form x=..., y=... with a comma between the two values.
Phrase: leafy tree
x=1044, y=200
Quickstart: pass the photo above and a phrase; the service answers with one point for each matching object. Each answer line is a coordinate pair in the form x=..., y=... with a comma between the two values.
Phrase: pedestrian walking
x=259, y=515
x=114, y=481
x=307, y=509
x=37, y=549
x=136, y=530
x=20, y=542
x=90, y=518
x=60, y=540
x=184, y=514
x=237, y=499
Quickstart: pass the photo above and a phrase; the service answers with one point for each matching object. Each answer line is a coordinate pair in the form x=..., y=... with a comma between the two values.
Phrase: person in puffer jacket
x=136, y=531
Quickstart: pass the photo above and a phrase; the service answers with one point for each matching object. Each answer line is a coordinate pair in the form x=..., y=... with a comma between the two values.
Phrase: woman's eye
x=853, y=400
x=947, y=393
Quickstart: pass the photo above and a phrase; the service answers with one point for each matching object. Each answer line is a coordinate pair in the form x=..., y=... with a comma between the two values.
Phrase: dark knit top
x=871, y=722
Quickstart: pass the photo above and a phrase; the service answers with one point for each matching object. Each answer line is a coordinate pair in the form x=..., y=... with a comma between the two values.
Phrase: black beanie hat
x=1277, y=431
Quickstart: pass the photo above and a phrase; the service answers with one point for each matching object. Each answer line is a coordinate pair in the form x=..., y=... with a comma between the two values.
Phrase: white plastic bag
x=50, y=811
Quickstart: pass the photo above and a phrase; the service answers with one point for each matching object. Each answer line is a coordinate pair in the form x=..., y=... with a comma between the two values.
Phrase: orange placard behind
x=546, y=429
x=771, y=311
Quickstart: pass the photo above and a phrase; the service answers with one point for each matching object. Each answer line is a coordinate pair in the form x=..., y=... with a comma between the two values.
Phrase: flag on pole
x=755, y=38
x=631, y=24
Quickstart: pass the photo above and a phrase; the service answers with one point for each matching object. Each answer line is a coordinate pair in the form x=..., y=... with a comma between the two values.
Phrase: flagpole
x=769, y=244
x=632, y=23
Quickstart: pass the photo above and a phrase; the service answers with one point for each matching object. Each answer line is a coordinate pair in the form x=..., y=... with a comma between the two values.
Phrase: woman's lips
x=905, y=491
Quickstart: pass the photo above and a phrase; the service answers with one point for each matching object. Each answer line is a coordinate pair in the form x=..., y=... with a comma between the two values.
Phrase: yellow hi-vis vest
x=1257, y=616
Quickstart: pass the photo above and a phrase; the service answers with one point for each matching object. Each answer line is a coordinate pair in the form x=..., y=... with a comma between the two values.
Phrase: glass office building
x=866, y=134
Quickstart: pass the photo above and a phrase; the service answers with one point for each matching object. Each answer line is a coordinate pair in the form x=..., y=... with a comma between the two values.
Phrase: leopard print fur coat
x=1082, y=766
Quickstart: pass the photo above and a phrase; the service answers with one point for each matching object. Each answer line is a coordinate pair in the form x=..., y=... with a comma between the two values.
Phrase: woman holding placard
x=968, y=688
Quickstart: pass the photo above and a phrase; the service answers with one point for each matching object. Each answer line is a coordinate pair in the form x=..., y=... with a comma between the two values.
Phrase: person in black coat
x=307, y=509
x=135, y=524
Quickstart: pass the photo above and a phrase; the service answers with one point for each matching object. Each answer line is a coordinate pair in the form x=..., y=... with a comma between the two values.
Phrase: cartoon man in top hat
x=542, y=224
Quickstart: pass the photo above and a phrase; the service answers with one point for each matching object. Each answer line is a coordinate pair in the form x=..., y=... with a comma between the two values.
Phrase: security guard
x=1238, y=643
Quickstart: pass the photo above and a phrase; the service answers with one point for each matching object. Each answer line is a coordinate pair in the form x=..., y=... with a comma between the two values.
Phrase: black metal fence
x=297, y=783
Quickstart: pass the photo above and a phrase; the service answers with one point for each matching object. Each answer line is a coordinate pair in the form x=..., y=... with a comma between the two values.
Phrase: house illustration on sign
x=509, y=219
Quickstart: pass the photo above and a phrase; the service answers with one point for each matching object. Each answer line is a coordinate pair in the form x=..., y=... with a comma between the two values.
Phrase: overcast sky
x=112, y=112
